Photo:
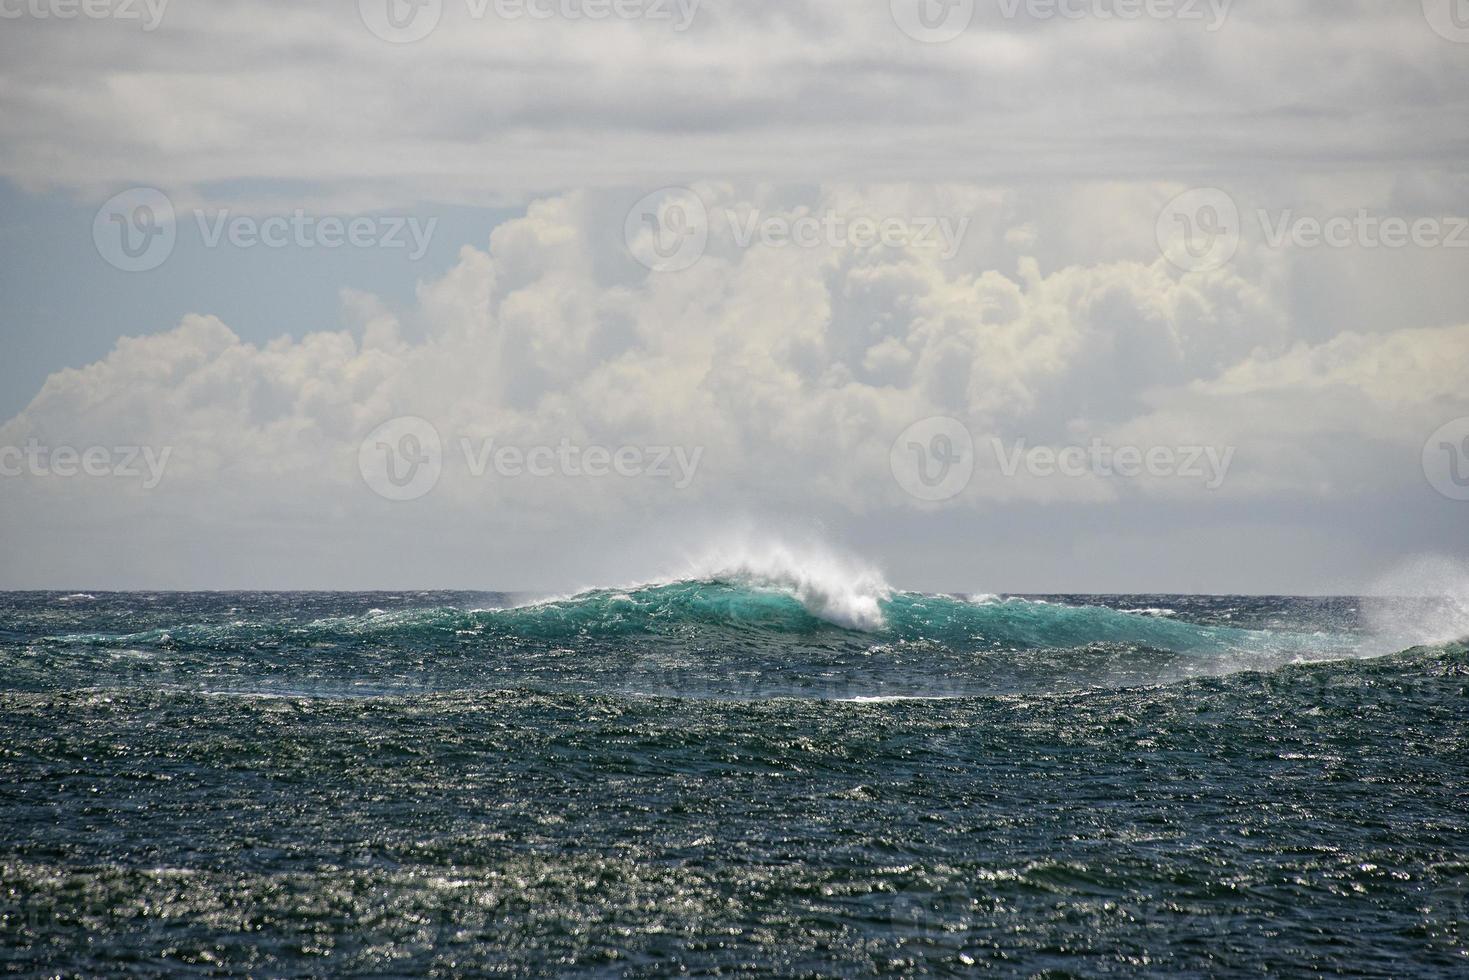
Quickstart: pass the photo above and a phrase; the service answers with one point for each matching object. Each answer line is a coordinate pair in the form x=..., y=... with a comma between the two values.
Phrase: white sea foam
x=838, y=588
x=895, y=698
x=1424, y=602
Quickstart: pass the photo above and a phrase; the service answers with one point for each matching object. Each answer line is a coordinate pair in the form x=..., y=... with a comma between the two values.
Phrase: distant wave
x=758, y=621
x=737, y=638
x=744, y=606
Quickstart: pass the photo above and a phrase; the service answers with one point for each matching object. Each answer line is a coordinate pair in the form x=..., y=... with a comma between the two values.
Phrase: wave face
x=752, y=766
x=734, y=636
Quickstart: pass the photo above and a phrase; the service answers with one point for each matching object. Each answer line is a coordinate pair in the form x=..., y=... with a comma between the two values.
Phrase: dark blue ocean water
x=720, y=777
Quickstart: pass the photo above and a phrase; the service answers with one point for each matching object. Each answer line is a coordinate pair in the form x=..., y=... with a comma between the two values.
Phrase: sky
x=998, y=295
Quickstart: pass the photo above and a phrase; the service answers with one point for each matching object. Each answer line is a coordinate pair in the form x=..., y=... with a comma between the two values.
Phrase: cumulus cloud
x=791, y=371
x=1049, y=320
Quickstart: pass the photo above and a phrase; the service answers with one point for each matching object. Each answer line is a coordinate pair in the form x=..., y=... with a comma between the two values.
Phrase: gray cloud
x=1056, y=321
x=484, y=109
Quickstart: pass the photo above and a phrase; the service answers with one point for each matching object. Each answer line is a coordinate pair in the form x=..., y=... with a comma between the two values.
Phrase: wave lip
x=842, y=591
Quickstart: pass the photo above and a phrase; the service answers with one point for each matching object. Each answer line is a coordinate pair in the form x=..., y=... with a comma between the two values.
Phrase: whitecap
x=837, y=588
x=893, y=698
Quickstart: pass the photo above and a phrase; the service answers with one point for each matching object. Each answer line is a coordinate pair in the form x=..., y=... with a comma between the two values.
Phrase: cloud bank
x=494, y=107
x=790, y=370
x=573, y=413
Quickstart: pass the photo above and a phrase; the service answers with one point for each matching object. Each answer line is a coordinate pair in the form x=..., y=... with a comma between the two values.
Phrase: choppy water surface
x=726, y=775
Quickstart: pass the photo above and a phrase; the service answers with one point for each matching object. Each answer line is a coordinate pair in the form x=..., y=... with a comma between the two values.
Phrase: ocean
x=736, y=773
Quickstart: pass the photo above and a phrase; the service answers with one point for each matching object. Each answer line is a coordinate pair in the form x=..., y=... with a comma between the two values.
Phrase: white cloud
x=791, y=369
x=1054, y=321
